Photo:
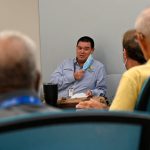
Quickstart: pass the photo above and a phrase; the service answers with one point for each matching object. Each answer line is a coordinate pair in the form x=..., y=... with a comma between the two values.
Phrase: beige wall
x=21, y=15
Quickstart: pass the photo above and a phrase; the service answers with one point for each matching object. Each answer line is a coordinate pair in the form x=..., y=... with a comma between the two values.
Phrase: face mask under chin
x=125, y=64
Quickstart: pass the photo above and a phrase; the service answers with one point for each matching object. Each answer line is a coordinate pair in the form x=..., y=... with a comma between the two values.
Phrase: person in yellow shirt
x=131, y=81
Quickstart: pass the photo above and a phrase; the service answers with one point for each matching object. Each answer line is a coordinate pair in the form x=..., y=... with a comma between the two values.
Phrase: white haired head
x=18, y=64
x=142, y=24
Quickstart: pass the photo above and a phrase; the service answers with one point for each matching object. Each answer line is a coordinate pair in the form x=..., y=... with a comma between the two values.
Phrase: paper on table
x=79, y=95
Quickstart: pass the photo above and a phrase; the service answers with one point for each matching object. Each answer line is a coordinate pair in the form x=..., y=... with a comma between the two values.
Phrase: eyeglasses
x=84, y=48
x=139, y=35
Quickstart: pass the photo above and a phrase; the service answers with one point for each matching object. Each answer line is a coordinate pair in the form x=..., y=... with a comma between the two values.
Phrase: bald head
x=18, y=65
x=142, y=26
x=142, y=23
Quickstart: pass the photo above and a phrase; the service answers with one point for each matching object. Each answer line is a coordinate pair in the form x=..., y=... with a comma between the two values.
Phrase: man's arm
x=100, y=87
x=63, y=75
x=92, y=104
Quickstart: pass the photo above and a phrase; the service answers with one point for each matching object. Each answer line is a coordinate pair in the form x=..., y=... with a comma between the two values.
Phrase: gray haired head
x=18, y=64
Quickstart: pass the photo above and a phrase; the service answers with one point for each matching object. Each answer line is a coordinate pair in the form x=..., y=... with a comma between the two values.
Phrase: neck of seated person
x=4, y=90
x=132, y=63
x=81, y=63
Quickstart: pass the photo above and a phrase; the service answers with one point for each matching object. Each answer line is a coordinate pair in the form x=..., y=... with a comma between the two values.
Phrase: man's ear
x=92, y=50
x=142, y=42
x=37, y=81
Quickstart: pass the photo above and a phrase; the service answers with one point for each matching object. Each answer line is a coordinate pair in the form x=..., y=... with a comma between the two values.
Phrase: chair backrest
x=112, y=84
x=143, y=101
x=77, y=131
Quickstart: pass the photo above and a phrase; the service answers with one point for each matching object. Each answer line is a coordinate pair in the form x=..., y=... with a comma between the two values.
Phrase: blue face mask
x=125, y=64
x=88, y=62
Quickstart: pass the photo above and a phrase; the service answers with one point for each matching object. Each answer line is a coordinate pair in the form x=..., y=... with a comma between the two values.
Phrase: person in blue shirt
x=82, y=74
x=19, y=75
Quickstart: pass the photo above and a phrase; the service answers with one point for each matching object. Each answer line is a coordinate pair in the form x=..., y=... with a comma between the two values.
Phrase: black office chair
x=77, y=131
x=143, y=101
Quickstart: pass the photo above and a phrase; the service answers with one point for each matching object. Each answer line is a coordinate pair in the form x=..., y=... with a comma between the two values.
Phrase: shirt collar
x=148, y=62
x=75, y=61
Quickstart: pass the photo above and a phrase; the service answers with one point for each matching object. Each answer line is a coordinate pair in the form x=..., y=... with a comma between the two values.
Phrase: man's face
x=83, y=50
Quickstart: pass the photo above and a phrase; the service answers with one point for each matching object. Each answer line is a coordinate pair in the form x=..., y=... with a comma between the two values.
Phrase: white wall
x=62, y=22
x=21, y=15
